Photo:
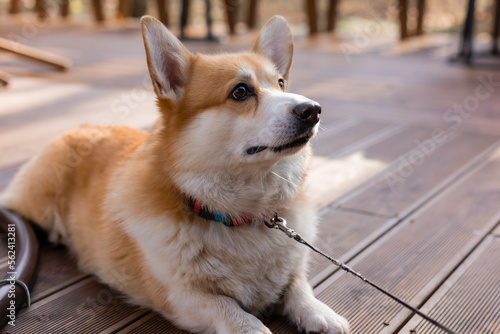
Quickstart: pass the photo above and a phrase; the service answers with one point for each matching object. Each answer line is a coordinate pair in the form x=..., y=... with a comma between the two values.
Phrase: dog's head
x=229, y=111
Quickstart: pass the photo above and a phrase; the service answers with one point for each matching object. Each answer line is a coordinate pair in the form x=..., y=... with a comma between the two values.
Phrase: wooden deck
x=408, y=189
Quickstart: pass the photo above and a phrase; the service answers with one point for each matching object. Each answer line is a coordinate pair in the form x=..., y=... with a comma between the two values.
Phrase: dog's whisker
x=281, y=177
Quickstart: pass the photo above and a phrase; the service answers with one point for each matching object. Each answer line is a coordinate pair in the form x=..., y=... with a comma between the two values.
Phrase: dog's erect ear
x=276, y=43
x=168, y=60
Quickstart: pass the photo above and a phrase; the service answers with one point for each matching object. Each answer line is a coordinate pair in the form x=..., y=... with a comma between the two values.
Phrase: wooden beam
x=98, y=11
x=420, y=18
x=311, y=14
x=14, y=7
x=332, y=15
x=184, y=15
x=123, y=9
x=64, y=8
x=59, y=62
x=403, y=22
x=232, y=12
x=496, y=29
x=163, y=11
x=41, y=9
x=252, y=14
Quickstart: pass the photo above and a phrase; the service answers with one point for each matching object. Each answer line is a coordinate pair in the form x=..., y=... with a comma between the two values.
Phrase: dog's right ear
x=168, y=60
x=275, y=41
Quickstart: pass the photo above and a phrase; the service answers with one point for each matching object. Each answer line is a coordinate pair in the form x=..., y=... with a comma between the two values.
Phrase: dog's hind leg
x=35, y=192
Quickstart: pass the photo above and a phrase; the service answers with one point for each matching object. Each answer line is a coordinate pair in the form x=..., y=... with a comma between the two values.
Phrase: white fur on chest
x=251, y=264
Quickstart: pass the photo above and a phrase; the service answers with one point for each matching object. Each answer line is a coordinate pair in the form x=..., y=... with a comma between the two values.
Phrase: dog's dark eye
x=281, y=82
x=240, y=92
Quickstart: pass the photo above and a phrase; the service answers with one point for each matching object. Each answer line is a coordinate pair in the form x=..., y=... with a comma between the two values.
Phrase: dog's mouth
x=293, y=144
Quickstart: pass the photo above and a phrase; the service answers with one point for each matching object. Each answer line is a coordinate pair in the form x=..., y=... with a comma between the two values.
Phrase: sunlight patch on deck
x=33, y=93
x=331, y=178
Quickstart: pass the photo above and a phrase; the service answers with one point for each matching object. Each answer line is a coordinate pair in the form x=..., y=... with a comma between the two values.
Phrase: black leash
x=280, y=223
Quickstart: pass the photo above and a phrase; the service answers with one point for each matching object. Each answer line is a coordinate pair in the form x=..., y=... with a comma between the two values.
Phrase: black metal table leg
x=496, y=29
x=210, y=36
x=184, y=16
x=184, y=19
x=466, y=41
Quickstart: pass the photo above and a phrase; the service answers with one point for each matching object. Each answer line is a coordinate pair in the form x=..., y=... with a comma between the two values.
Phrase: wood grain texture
x=469, y=302
x=415, y=173
x=84, y=307
x=417, y=256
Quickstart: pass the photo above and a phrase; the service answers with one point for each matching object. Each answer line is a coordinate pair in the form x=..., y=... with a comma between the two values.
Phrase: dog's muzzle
x=306, y=117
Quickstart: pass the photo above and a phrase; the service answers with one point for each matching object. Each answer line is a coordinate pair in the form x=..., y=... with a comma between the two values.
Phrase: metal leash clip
x=280, y=224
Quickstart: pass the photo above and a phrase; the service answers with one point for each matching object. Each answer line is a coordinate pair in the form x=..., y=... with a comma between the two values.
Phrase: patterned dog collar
x=201, y=210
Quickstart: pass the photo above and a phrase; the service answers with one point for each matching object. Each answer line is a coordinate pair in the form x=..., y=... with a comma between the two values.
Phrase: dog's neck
x=247, y=195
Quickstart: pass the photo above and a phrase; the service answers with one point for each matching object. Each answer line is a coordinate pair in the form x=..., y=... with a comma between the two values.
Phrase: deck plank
x=56, y=271
x=342, y=171
x=84, y=307
x=151, y=324
x=406, y=182
x=330, y=141
x=343, y=234
x=405, y=260
x=469, y=301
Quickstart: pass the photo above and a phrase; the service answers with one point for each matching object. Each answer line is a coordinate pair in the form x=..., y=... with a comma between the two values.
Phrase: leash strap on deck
x=280, y=224
x=22, y=285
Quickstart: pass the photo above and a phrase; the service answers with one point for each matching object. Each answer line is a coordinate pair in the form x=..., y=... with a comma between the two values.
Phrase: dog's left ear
x=276, y=43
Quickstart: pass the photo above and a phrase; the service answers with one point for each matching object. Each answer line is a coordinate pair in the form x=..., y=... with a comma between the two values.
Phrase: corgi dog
x=175, y=217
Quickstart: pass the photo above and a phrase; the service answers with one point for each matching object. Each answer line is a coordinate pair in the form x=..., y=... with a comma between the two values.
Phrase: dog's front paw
x=250, y=325
x=257, y=329
x=316, y=317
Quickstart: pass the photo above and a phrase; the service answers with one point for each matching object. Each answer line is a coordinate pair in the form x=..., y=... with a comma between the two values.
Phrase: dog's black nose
x=308, y=112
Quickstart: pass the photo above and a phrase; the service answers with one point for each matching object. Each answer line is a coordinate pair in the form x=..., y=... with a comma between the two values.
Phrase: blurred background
x=442, y=16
